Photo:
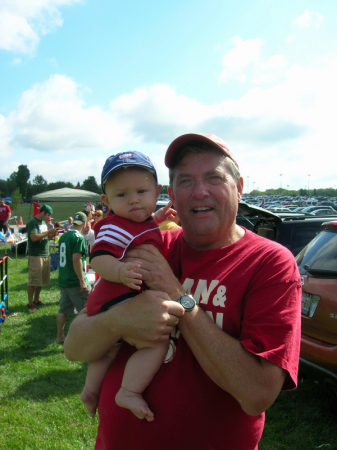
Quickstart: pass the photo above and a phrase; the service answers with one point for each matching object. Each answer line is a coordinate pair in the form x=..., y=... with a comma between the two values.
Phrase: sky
x=81, y=80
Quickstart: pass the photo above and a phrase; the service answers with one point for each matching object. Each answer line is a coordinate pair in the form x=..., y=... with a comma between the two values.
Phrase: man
x=69, y=224
x=73, y=282
x=90, y=207
x=38, y=254
x=234, y=350
x=89, y=237
x=5, y=213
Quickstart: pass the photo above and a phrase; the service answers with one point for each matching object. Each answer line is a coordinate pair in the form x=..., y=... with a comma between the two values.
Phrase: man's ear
x=170, y=193
x=239, y=187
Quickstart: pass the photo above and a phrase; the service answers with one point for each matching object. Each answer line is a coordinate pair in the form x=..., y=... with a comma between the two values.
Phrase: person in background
x=89, y=215
x=236, y=300
x=98, y=216
x=59, y=228
x=73, y=283
x=38, y=255
x=89, y=237
x=68, y=224
x=5, y=213
x=49, y=223
x=90, y=207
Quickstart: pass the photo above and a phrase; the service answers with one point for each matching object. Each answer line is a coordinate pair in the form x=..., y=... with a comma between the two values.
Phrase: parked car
x=318, y=269
x=309, y=209
x=324, y=212
x=293, y=230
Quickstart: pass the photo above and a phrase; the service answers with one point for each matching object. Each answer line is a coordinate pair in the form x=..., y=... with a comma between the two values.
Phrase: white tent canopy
x=66, y=195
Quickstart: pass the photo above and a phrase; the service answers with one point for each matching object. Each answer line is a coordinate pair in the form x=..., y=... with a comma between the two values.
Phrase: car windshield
x=320, y=256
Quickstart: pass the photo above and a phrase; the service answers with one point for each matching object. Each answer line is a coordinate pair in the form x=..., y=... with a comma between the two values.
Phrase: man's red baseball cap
x=192, y=138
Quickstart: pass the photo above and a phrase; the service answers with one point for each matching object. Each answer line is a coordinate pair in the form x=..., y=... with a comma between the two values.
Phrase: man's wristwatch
x=187, y=302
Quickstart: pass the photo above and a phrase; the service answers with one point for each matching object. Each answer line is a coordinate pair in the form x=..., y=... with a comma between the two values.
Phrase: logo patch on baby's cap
x=125, y=156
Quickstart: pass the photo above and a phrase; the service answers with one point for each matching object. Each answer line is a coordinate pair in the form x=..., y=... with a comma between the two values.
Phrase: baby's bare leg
x=95, y=376
x=138, y=374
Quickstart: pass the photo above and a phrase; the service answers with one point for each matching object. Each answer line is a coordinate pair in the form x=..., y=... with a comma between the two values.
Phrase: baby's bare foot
x=90, y=401
x=135, y=403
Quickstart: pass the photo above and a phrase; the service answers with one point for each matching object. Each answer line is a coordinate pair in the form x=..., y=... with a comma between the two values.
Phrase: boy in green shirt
x=73, y=283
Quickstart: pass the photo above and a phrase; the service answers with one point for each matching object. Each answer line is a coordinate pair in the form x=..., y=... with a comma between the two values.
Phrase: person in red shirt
x=5, y=213
x=232, y=352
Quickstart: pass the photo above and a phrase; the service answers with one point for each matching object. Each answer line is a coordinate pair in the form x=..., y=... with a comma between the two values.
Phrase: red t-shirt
x=251, y=289
x=4, y=212
x=115, y=235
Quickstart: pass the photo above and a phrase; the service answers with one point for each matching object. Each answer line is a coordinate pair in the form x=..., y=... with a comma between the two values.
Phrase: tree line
x=20, y=180
x=18, y=183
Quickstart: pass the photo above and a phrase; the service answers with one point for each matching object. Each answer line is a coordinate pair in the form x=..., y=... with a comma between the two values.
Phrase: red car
x=318, y=268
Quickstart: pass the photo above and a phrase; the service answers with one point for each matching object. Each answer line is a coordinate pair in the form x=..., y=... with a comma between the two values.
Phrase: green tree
x=16, y=199
x=164, y=189
x=11, y=182
x=89, y=184
x=22, y=177
x=39, y=185
x=59, y=185
x=3, y=188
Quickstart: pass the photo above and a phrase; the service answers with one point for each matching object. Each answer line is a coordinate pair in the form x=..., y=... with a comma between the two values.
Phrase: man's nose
x=200, y=189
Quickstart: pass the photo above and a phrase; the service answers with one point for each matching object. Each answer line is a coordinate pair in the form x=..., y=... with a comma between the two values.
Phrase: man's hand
x=155, y=270
x=128, y=275
x=52, y=233
x=83, y=286
x=142, y=321
x=148, y=318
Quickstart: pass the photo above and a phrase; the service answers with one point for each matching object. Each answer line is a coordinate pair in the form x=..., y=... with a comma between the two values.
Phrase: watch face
x=187, y=302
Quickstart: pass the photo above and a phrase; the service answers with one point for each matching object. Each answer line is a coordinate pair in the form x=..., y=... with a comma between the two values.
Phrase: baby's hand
x=129, y=276
x=164, y=213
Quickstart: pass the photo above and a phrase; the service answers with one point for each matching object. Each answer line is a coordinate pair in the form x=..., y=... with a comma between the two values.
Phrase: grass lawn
x=39, y=395
x=61, y=211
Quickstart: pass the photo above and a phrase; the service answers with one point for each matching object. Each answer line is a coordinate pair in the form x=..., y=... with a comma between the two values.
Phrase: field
x=39, y=395
x=61, y=211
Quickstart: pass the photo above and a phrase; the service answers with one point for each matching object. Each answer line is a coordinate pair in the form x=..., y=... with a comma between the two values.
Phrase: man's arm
x=8, y=216
x=143, y=321
x=39, y=236
x=77, y=264
x=253, y=381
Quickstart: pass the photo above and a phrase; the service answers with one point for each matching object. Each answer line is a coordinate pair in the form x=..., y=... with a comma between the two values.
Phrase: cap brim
x=193, y=138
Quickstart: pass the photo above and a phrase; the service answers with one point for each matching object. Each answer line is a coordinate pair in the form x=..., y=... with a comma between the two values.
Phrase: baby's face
x=131, y=193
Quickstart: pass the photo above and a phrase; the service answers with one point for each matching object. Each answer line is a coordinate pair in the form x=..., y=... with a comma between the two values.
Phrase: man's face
x=2, y=202
x=45, y=216
x=206, y=198
x=70, y=220
x=132, y=194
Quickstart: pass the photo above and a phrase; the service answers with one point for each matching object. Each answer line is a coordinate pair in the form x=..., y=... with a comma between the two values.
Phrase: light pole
x=248, y=184
x=308, y=185
x=281, y=180
x=253, y=185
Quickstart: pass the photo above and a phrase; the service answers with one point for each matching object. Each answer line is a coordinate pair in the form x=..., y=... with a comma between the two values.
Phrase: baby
x=130, y=191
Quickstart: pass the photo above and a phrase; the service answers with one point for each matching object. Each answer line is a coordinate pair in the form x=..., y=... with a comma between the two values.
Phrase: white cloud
x=52, y=117
x=246, y=63
x=292, y=37
x=243, y=55
x=22, y=22
x=309, y=19
x=287, y=127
